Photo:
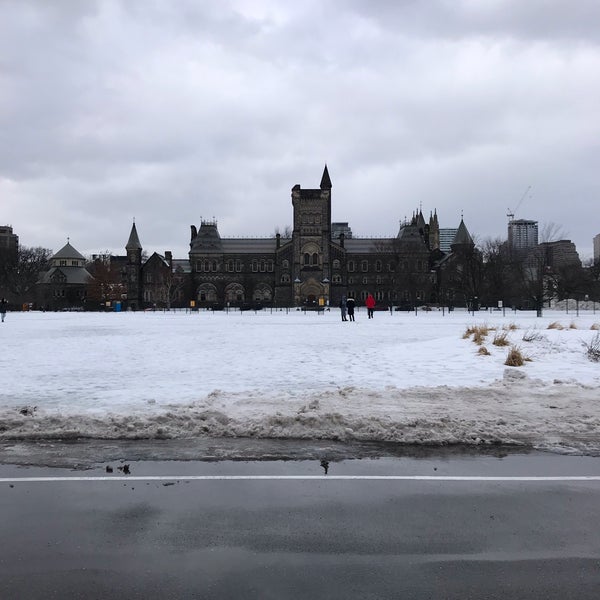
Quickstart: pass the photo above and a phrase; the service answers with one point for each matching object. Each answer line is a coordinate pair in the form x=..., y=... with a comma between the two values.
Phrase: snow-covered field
x=402, y=378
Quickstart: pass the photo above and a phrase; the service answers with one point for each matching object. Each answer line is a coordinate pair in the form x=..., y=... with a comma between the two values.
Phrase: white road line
x=124, y=478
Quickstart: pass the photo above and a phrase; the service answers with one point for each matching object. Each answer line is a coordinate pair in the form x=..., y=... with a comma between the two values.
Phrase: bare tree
x=552, y=232
x=24, y=274
x=285, y=233
x=106, y=284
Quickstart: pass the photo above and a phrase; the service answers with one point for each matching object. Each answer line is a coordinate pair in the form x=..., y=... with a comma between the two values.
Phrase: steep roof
x=368, y=245
x=207, y=239
x=69, y=275
x=410, y=234
x=68, y=252
x=462, y=236
x=325, y=180
x=134, y=241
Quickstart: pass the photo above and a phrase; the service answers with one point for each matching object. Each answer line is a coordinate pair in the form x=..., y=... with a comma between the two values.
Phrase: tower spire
x=134, y=241
x=325, y=180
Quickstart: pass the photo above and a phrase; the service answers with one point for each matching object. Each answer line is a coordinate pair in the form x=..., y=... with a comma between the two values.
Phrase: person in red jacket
x=370, y=304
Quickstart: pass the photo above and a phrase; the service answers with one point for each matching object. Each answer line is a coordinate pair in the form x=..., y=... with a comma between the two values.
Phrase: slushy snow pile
x=402, y=377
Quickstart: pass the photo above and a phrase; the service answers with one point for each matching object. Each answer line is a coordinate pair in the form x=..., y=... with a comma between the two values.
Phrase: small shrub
x=468, y=332
x=514, y=358
x=532, y=335
x=483, y=351
x=478, y=332
x=555, y=325
x=573, y=325
x=478, y=337
x=595, y=326
x=511, y=327
x=500, y=339
x=593, y=348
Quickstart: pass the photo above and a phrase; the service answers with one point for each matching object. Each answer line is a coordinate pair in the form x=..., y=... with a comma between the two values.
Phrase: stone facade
x=65, y=284
x=316, y=266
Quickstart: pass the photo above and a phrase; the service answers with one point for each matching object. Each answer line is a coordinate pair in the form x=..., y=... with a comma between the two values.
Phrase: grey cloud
x=172, y=111
x=532, y=19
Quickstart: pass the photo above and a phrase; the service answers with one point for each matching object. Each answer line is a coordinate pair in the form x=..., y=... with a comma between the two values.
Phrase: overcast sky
x=172, y=111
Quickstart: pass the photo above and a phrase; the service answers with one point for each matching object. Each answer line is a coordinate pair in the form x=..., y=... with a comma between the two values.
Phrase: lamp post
x=297, y=283
x=325, y=283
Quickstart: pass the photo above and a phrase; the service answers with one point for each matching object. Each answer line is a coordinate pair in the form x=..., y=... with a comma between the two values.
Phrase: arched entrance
x=312, y=293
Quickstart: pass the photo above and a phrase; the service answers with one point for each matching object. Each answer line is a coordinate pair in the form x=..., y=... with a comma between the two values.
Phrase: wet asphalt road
x=183, y=537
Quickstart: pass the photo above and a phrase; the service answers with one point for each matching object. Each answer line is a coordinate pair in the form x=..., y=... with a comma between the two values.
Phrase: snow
x=407, y=378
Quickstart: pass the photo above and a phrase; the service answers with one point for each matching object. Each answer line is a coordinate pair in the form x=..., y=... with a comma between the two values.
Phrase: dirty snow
x=400, y=378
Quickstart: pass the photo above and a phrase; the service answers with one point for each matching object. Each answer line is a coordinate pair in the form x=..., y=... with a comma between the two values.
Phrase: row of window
x=74, y=263
x=309, y=260
x=235, y=266
x=235, y=292
x=405, y=265
x=310, y=219
x=61, y=293
x=392, y=295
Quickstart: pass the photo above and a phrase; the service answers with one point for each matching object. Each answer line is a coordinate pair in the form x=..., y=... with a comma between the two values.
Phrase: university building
x=317, y=264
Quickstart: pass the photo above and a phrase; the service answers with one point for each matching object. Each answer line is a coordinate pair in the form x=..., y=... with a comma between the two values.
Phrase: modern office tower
x=522, y=234
x=9, y=242
x=447, y=235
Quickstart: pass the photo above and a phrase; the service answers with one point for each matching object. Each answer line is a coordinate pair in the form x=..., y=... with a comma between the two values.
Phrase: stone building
x=321, y=262
x=9, y=250
x=560, y=254
x=64, y=285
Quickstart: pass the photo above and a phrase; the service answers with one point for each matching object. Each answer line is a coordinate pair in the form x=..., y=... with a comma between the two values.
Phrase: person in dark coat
x=370, y=304
x=350, y=303
x=343, y=308
x=3, y=306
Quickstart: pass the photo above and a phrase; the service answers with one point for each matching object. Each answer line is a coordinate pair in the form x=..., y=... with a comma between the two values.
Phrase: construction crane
x=511, y=213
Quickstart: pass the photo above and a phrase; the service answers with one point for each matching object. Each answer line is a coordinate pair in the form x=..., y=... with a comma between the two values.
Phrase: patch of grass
x=479, y=337
x=510, y=327
x=532, y=335
x=593, y=348
x=573, y=325
x=515, y=358
x=501, y=339
x=468, y=332
x=595, y=326
x=478, y=332
x=483, y=351
x=555, y=325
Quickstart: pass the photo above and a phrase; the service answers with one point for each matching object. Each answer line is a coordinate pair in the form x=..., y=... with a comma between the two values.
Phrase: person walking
x=370, y=304
x=350, y=308
x=343, y=308
x=3, y=305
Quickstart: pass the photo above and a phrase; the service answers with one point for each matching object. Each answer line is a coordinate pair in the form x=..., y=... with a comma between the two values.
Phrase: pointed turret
x=434, y=231
x=462, y=237
x=325, y=181
x=134, y=270
x=134, y=241
x=67, y=252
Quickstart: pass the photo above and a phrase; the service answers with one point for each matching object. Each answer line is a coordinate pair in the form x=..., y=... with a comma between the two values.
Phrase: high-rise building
x=522, y=234
x=9, y=252
x=597, y=248
x=9, y=242
x=447, y=235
